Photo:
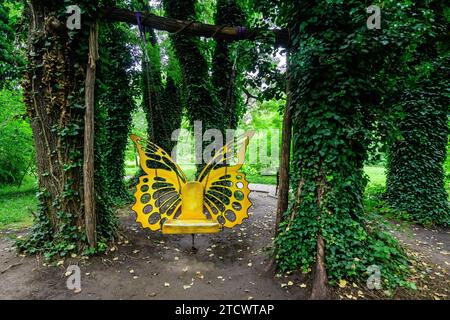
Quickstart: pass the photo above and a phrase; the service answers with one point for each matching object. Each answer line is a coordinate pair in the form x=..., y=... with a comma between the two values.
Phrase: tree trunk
x=319, y=286
x=53, y=80
x=55, y=98
x=88, y=166
x=283, y=189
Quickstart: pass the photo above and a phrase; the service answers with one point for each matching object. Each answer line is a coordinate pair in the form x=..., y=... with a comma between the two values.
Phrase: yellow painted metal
x=165, y=200
x=192, y=219
x=176, y=226
x=192, y=201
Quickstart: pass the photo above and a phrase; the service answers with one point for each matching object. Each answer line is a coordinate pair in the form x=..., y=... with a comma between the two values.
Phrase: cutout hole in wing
x=177, y=213
x=219, y=196
x=206, y=212
x=239, y=195
x=230, y=215
x=145, y=198
x=147, y=209
x=225, y=183
x=215, y=202
x=236, y=206
x=154, y=218
x=168, y=203
x=221, y=220
x=172, y=208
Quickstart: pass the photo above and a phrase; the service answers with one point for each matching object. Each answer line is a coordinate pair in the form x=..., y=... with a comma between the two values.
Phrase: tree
x=54, y=95
x=415, y=179
x=11, y=58
x=202, y=104
x=336, y=69
x=225, y=65
x=116, y=94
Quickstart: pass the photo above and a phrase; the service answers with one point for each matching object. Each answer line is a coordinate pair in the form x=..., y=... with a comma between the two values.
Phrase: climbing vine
x=12, y=60
x=338, y=67
x=116, y=94
x=227, y=75
x=202, y=104
x=160, y=86
x=415, y=180
x=54, y=95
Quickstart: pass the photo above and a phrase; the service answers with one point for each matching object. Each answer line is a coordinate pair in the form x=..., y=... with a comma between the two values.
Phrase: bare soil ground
x=227, y=265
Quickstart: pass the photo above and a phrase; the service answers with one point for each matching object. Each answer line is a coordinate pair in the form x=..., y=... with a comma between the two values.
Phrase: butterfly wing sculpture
x=158, y=193
x=226, y=188
x=166, y=200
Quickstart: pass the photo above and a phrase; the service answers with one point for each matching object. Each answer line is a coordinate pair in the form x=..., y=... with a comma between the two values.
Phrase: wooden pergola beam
x=194, y=28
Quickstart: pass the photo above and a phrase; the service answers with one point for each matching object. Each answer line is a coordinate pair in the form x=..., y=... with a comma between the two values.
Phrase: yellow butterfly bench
x=166, y=201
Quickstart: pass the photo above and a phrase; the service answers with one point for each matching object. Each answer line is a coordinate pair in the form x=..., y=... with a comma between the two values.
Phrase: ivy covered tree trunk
x=161, y=100
x=55, y=99
x=161, y=103
x=415, y=175
x=415, y=172
x=202, y=104
x=225, y=72
x=116, y=95
x=333, y=101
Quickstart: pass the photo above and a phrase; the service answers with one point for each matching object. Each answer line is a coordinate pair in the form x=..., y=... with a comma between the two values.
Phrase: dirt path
x=147, y=265
x=228, y=265
x=433, y=244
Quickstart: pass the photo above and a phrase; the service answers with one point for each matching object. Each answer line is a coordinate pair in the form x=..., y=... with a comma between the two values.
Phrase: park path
x=228, y=265
x=149, y=265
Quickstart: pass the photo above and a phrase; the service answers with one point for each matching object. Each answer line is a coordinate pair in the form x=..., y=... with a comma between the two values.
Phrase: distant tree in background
x=226, y=74
x=116, y=95
x=415, y=172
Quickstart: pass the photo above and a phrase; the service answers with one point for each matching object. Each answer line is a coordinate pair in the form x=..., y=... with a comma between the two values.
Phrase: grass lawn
x=16, y=204
x=377, y=175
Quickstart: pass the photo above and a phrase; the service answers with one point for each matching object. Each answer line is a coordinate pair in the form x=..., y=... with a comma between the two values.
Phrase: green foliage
x=16, y=146
x=161, y=85
x=201, y=103
x=11, y=56
x=337, y=67
x=447, y=169
x=227, y=65
x=415, y=160
x=415, y=164
x=115, y=95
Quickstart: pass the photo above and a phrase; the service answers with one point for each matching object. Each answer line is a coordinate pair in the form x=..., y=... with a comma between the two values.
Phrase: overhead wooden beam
x=194, y=28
